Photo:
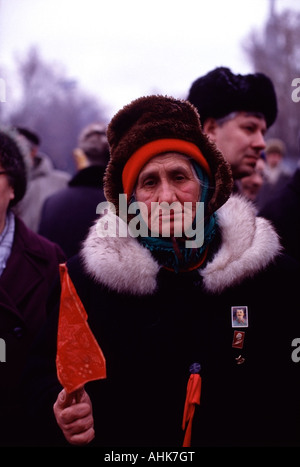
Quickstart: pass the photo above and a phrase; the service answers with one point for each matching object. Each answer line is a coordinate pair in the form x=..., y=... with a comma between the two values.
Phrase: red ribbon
x=193, y=394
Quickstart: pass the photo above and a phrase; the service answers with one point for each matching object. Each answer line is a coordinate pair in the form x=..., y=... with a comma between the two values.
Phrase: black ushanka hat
x=153, y=125
x=221, y=92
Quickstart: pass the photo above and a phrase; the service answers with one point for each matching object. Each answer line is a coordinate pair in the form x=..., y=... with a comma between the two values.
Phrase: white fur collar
x=249, y=244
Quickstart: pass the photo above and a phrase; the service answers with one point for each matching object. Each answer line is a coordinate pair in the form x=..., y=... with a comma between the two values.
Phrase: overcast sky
x=122, y=49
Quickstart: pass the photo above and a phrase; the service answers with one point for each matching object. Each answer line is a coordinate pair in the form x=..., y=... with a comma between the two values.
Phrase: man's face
x=239, y=315
x=240, y=139
x=251, y=185
x=273, y=159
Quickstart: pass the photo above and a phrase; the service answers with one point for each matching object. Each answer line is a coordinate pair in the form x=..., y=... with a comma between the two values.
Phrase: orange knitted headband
x=140, y=157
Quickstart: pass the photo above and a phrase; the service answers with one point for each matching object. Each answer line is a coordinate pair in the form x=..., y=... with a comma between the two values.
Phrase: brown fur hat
x=156, y=117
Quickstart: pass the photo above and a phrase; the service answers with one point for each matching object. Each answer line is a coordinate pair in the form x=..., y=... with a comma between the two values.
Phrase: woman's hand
x=74, y=415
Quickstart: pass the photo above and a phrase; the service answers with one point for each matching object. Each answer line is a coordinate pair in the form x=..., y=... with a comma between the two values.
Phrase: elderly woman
x=28, y=265
x=159, y=284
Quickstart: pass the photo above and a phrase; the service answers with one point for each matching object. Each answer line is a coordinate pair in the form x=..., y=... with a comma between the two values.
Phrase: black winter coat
x=24, y=286
x=284, y=212
x=152, y=327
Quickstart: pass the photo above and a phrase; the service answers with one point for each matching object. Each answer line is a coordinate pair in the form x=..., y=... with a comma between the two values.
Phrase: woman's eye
x=149, y=182
x=179, y=177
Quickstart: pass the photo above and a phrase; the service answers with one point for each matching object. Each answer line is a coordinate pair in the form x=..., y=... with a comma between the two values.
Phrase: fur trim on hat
x=157, y=117
x=275, y=145
x=221, y=92
x=122, y=264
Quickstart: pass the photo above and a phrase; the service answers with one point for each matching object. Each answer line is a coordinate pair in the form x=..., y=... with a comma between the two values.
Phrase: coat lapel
x=20, y=284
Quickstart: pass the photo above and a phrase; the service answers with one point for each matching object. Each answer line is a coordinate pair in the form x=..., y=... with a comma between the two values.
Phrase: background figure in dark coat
x=276, y=174
x=43, y=180
x=28, y=266
x=68, y=214
x=284, y=212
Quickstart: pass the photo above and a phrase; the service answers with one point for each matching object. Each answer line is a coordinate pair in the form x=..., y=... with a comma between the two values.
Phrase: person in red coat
x=28, y=265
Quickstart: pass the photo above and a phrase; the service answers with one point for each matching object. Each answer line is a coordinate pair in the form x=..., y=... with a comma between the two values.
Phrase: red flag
x=79, y=358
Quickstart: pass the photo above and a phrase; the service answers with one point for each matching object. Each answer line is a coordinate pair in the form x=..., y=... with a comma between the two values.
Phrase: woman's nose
x=166, y=192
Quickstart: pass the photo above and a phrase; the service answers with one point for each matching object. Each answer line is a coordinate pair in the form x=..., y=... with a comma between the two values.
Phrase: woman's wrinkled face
x=168, y=189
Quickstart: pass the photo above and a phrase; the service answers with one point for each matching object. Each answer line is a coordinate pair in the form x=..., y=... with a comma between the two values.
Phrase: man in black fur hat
x=235, y=112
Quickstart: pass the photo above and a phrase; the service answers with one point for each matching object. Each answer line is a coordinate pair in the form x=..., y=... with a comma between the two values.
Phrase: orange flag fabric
x=79, y=358
x=193, y=394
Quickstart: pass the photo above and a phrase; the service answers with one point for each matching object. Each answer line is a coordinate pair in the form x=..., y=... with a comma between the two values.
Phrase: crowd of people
x=142, y=294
